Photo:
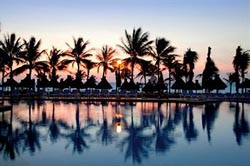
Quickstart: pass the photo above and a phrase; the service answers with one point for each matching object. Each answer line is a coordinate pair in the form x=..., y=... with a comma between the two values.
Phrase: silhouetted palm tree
x=10, y=48
x=89, y=65
x=145, y=69
x=210, y=71
x=171, y=63
x=30, y=56
x=232, y=77
x=241, y=63
x=135, y=45
x=78, y=54
x=160, y=52
x=56, y=63
x=190, y=57
x=177, y=71
x=105, y=59
x=3, y=65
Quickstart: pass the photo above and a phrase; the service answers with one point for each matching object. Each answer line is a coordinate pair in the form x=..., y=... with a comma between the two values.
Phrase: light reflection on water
x=47, y=132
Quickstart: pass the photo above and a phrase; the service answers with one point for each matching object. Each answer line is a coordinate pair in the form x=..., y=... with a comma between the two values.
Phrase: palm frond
x=20, y=70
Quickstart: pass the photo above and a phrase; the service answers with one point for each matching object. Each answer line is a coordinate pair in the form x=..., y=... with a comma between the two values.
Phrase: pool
x=111, y=133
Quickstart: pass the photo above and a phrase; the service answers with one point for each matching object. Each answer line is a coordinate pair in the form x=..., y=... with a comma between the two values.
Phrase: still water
x=81, y=133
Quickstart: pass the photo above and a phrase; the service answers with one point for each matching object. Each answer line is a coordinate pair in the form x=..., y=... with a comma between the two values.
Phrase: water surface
x=66, y=133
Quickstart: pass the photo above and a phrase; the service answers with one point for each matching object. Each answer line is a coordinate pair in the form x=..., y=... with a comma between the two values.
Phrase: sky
x=196, y=24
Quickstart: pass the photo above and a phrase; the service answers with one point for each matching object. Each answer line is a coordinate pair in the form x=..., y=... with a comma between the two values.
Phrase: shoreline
x=130, y=99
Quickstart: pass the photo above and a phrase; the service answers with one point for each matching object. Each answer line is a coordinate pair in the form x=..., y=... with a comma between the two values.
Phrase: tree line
x=27, y=55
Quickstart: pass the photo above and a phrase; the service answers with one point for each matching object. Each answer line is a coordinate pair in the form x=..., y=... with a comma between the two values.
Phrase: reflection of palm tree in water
x=78, y=135
x=241, y=126
x=89, y=120
x=190, y=131
x=164, y=132
x=208, y=117
x=9, y=140
x=31, y=135
x=105, y=132
x=136, y=143
x=147, y=119
x=44, y=120
x=177, y=114
x=54, y=127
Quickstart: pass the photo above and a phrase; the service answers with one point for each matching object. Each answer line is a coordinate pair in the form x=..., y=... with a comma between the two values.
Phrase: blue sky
x=221, y=24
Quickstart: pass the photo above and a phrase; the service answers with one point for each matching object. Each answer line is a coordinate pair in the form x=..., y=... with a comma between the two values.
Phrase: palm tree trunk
x=30, y=72
x=103, y=72
x=132, y=72
x=158, y=68
x=145, y=79
x=11, y=77
x=191, y=74
x=230, y=84
x=169, y=81
x=53, y=78
x=2, y=79
x=243, y=79
x=88, y=71
x=238, y=79
x=78, y=71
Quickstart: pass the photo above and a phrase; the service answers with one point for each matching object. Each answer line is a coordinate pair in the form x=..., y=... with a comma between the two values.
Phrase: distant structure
x=209, y=53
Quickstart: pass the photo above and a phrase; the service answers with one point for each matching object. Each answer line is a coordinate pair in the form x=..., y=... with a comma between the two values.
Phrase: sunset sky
x=196, y=24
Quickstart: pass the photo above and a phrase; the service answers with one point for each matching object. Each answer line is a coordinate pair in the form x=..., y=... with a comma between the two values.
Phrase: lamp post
x=118, y=74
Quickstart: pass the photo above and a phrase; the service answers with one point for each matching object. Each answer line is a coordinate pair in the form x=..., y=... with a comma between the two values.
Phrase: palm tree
x=78, y=54
x=232, y=77
x=30, y=56
x=241, y=62
x=170, y=62
x=55, y=63
x=146, y=69
x=89, y=65
x=3, y=66
x=162, y=51
x=210, y=70
x=10, y=49
x=135, y=45
x=105, y=59
x=190, y=57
